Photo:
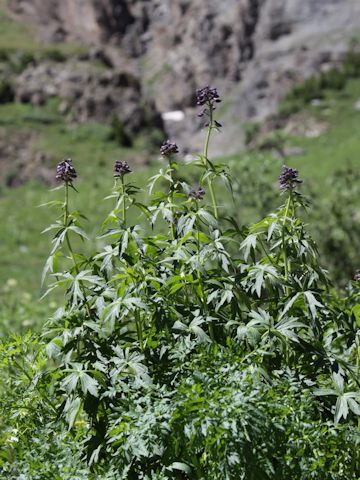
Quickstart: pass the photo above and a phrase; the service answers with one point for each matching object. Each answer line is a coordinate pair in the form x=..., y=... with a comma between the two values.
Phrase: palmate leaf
x=287, y=327
x=78, y=231
x=310, y=299
x=127, y=362
x=71, y=410
x=313, y=303
x=345, y=400
x=248, y=245
x=195, y=328
x=75, y=284
x=249, y=333
x=78, y=374
x=259, y=274
x=341, y=409
x=207, y=217
x=51, y=266
x=163, y=174
x=108, y=255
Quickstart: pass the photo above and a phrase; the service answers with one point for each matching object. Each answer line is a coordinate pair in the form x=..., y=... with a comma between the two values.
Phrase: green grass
x=340, y=144
x=17, y=36
x=22, y=248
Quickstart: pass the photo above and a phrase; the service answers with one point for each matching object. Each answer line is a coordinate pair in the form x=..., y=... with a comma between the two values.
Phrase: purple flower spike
x=168, y=148
x=121, y=168
x=207, y=96
x=288, y=179
x=197, y=194
x=65, y=171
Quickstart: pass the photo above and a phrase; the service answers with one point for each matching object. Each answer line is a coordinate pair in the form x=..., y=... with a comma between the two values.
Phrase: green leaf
x=354, y=406
x=71, y=410
x=207, y=217
x=320, y=392
x=313, y=303
x=182, y=467
x=341, y=409
x=88, y=384
x=248, y=244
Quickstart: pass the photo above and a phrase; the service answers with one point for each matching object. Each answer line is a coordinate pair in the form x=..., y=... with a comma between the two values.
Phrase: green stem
x=67, y=239
x=286, y=263
x=206, y=150
x=123, y=200
x=202, y=293
x=139, y=330
x=171, y=200
x=28, y=376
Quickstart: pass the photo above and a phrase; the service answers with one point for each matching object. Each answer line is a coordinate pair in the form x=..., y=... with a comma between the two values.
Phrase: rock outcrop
x=252, y=50
x=86, y=94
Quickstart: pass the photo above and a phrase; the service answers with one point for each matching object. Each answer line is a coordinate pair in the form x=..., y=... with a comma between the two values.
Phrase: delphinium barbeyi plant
x=191, y=347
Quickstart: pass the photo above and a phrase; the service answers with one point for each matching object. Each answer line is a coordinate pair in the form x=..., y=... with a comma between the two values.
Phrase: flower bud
x=168, y=148
x=65, y=171
x=121, y=168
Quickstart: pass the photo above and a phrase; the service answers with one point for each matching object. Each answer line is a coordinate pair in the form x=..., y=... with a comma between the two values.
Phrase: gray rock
x=88, y=95
x=252, y=50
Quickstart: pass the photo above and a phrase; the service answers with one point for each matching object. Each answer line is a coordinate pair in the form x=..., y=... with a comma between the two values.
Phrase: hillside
x=253, y=50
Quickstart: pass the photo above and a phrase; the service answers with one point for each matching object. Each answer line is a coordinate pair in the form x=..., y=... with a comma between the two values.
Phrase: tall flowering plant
x=174, y=340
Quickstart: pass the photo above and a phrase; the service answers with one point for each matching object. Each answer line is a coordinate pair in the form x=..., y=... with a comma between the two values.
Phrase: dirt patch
x=304, y=125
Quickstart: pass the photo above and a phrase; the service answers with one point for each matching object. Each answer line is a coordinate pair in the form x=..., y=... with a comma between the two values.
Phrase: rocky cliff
x=252, y=50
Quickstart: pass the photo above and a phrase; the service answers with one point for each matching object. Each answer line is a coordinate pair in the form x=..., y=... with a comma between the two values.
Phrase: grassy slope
x=340, y=144
x=15, y=36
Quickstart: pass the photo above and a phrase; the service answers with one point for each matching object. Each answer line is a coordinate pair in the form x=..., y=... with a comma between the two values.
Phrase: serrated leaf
x=341, y=409
x=71, y=410
x=248, y=244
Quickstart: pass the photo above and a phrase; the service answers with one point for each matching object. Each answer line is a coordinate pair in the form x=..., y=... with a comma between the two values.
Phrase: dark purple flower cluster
x=357, y=276
x=168, y=148
x=65, y=171
x=207, y=96
x=121, y=168
x=197, y=194
x=288, y=179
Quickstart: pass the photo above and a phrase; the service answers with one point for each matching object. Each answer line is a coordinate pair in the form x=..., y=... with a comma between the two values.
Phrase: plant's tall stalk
x=288, y=179
x=168, y=150
x=123, y=201
x=139, y=329
x=121, y=168
x=206, y=159
x=171, y=198
x=201, y=286
x=208, y=97
x=68, y=243
x=287, y=266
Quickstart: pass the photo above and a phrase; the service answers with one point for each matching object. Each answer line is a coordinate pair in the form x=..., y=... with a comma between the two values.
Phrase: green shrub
x=334, y=79
x=118, y=132
x=352, y=64
x=191, y=348
x=4, y=55
x=251, y=131
x=20, y=60
x=54, y=55
x=7, y=93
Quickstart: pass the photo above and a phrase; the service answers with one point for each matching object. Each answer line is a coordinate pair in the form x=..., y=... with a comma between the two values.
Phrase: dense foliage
x=189, y=348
